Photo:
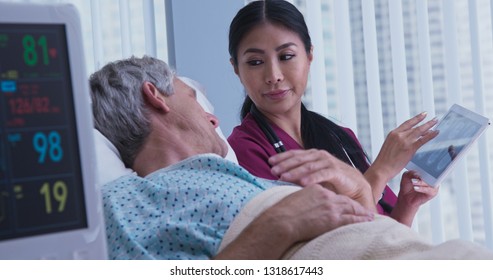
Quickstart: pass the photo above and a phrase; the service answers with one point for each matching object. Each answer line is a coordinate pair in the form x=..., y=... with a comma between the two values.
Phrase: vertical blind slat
x=317, y=71
x=344, y=62
x=428, y=98
x=150, y=28
x=453, y=82
x=125, y=29
x=399, y=68
x=401, y=91
x=97, y=36
x=426, y=76
x=479, y=107
x=372, y=76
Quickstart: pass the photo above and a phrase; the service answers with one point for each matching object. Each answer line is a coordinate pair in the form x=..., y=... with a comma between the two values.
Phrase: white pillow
x=108, y=161
x=109, y=164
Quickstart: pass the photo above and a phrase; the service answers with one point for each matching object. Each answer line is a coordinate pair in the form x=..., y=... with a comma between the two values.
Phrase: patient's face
x=198, y=126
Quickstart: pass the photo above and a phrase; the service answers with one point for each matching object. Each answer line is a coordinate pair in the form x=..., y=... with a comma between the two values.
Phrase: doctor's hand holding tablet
x=458, y=130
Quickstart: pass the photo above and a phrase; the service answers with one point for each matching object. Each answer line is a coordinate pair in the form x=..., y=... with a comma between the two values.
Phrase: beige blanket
x=383, y=238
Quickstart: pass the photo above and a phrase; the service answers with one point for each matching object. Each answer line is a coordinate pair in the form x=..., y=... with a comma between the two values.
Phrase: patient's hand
x=301, y=216
x=315, y=210
x=308, y=167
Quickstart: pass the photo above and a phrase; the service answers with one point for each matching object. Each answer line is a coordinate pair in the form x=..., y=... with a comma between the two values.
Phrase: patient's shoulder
x=125, y=180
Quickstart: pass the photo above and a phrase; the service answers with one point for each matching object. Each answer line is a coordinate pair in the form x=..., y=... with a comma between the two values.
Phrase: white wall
x=198, y=48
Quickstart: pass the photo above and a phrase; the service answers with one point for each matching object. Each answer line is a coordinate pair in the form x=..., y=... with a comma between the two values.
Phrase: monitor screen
x=41, y=185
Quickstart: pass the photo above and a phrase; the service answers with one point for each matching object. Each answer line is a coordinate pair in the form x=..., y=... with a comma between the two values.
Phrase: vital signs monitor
x=49, y=205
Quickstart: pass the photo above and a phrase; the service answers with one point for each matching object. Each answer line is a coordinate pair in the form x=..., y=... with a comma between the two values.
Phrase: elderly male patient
x=186, y=198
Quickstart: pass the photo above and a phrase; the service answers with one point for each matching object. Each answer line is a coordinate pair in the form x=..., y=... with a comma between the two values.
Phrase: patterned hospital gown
x=179, y=212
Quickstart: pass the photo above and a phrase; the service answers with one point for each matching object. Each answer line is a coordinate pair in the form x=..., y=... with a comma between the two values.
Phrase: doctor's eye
x=286, y=56
x=254, y=62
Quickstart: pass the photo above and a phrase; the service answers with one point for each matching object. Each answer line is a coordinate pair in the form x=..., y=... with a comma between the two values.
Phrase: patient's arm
x=300, y=216
x=308, y=167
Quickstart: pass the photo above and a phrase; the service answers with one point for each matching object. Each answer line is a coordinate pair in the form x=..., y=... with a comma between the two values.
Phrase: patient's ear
x=154, y=97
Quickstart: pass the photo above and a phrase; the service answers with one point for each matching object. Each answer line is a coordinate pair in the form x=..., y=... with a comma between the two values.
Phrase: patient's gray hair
x=118, y=105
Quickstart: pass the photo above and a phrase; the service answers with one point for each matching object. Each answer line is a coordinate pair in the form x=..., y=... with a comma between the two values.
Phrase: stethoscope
x=279, y=146
x=274, y=139
x=267, y=129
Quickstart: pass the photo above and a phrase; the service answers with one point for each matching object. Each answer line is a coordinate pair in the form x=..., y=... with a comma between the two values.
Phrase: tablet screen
x=458, y=129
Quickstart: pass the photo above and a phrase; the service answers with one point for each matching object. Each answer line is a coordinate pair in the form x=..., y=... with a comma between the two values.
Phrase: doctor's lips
x=276, y=94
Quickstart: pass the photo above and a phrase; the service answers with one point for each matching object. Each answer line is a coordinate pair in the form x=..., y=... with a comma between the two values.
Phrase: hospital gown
x=178, y=212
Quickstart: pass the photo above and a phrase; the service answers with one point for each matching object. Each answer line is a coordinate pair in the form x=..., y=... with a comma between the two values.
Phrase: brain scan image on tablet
x=450, y=141
x=458, y=129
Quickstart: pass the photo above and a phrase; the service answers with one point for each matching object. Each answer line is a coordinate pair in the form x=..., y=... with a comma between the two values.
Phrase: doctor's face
x=273, y=67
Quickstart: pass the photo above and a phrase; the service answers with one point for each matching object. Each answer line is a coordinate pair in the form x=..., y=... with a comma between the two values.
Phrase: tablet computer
x=458, y=130
x=50, y=207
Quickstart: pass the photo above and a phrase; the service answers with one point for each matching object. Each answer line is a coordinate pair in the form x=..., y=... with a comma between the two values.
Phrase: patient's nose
x=214, y=120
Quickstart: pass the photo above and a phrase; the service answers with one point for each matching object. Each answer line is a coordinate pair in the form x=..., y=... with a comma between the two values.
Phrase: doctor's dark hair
x=316, y=131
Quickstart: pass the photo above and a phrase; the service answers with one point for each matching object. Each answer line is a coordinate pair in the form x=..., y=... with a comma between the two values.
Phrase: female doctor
x=278, y=138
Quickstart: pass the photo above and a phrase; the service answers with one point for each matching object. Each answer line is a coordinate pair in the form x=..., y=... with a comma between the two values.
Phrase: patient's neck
x=159, y=152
